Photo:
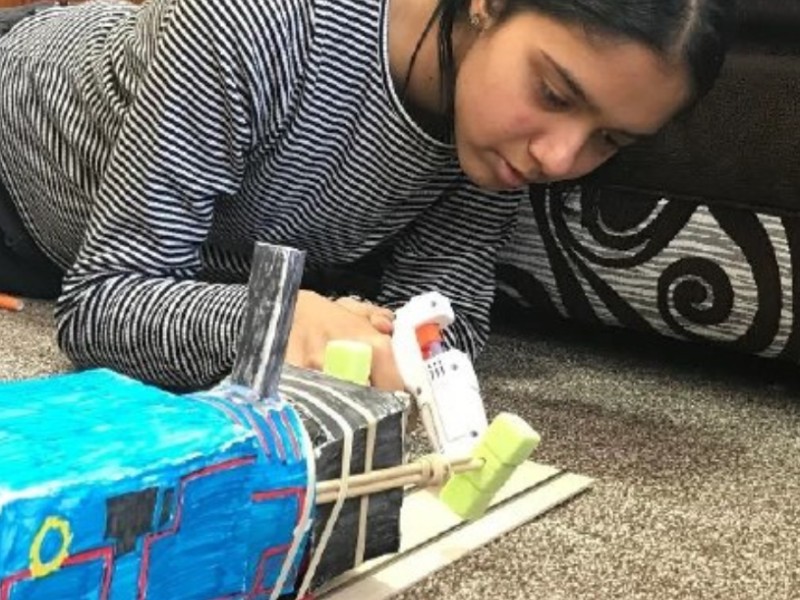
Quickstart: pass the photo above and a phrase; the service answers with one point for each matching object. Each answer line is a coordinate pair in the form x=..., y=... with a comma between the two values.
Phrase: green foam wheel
x=348, y=361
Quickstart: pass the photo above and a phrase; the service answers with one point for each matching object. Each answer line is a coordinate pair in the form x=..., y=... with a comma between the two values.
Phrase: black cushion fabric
x=741, y=144
x=758, y=18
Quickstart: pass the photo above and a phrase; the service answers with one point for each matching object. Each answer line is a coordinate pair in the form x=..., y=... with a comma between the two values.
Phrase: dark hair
x=696, y=32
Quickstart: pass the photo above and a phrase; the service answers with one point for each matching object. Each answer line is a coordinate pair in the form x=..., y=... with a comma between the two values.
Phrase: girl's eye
x=615, y=141
x=551, y=99
x=610, y=141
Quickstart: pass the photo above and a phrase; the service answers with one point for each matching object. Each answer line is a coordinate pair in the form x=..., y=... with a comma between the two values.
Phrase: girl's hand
x=318, y=320
x=381, y=318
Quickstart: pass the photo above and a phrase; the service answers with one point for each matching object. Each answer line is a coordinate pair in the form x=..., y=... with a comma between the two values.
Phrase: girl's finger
x=382, y=323
x=353, y=305
x=385, y=375
x=365, y=309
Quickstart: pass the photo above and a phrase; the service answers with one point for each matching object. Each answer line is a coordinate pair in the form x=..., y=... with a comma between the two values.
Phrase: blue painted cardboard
x=112, y=489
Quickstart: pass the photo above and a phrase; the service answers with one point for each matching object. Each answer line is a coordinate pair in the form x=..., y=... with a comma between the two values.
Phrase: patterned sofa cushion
x=677, y=266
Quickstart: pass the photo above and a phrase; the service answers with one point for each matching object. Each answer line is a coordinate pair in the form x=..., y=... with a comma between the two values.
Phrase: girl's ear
x=485, y=13
x=494, y=8
x=478, y=13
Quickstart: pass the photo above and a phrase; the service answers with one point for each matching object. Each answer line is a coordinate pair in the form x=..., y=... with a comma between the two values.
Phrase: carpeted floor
x=696, y=454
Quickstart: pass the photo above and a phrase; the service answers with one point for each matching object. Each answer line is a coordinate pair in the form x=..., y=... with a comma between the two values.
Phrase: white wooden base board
x=432, y=536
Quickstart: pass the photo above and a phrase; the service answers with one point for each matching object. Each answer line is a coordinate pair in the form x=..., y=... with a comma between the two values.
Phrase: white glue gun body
x=442, y=380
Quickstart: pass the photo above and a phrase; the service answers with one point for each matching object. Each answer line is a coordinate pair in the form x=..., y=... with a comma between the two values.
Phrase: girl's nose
x=557, y=151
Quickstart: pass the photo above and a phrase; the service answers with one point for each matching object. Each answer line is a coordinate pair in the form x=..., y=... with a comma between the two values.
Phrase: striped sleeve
x=452, y=249
x=130, y=301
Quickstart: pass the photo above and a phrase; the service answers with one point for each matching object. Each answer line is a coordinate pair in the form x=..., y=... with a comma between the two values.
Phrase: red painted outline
x=297, y=492
x=262, y=440
x=268, y=419
x=275, y=435
x=262, y=566
x=150, y=539
x=300, y=494
x=220, y=404
x=11, y=580
x=298, y=454
x=106, y=553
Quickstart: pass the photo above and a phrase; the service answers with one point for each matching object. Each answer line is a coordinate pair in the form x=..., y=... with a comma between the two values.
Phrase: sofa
x=694, y=234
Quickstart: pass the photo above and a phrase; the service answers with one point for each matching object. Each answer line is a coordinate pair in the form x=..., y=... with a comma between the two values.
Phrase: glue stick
x=429, y=338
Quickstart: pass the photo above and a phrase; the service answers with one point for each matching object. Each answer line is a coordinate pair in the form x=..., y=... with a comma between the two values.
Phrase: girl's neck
x=420, y=88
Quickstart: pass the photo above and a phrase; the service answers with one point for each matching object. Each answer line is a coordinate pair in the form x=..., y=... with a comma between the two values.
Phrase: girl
x=145, y=148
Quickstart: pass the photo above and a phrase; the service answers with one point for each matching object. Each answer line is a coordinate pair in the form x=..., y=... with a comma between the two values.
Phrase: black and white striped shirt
x=147, y=145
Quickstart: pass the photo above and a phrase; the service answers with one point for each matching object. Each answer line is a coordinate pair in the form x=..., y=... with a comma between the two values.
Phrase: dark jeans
x=24, y=269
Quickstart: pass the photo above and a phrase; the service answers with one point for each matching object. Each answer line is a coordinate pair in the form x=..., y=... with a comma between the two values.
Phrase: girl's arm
x=453, y=249
x=130, y=302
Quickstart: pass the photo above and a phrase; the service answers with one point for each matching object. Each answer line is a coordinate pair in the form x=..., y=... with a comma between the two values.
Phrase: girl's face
x=539, y=101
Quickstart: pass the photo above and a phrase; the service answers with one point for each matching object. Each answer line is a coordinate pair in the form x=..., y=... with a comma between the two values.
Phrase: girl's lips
x=509, y=176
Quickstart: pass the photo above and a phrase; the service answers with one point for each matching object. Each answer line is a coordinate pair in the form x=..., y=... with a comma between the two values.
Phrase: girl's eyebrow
x=570, y=81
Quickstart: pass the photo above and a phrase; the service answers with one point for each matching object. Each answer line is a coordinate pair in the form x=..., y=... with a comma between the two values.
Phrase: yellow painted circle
x=37, y=566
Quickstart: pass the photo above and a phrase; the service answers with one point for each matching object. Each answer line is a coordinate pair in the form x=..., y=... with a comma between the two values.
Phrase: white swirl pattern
x=675, y=266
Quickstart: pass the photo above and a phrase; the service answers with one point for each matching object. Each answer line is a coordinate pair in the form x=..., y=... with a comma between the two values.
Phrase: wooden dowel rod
x=387, y=479
x=392, y=473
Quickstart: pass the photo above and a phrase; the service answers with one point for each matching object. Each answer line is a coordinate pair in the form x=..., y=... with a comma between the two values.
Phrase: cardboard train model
x=111, y=489
x=268, y=485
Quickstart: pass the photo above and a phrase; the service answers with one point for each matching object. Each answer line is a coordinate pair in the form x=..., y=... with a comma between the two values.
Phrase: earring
x=476, y=20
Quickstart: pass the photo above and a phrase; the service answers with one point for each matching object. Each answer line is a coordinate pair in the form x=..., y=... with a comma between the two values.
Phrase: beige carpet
x=696, y=455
